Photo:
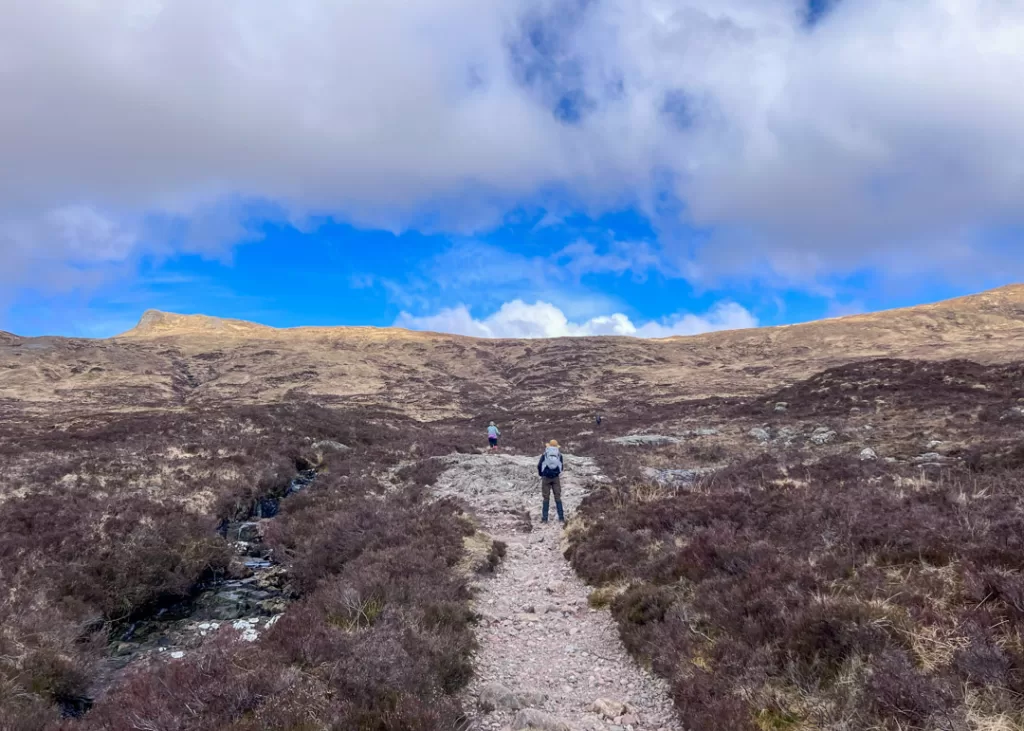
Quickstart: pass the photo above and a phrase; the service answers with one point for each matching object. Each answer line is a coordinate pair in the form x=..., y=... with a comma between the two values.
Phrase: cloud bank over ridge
x=791, y=131
x=518, y=319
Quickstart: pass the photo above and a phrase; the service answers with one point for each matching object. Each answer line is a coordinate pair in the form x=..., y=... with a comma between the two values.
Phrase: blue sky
x=339, y=274
x=534, y=168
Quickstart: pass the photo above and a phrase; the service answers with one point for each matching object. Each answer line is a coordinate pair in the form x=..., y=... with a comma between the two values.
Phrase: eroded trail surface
x=547, y=660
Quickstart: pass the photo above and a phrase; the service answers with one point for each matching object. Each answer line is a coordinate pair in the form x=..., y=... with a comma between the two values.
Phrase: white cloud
x=723, y=316
x=518, y=319
x=889, y=124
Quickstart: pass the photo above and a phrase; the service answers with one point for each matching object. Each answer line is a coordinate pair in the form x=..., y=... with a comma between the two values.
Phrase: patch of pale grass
x=603, y=596
x=934, y=647
x=981, y=719
x=1002, y=722
x=649, y=492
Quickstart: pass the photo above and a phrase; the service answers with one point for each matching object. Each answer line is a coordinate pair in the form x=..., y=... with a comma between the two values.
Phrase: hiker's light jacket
x=492, y=432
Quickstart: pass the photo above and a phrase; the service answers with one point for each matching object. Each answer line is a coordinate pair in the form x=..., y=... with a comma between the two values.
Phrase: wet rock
x=530, y=719
x=301, y=481
x=868, y=454
x=267, y=507
x=609, y=708
x=760, y=435
x=246, y=628
x=248, y=533
x=239, y=569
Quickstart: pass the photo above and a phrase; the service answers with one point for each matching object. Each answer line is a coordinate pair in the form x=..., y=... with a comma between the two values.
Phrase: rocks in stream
x=256, y=596
x=247, y=533
x=250, y=598
x=301, y=481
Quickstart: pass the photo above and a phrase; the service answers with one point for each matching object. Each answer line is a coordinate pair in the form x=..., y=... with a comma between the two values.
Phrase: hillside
x=212, y=524
x=179, y=359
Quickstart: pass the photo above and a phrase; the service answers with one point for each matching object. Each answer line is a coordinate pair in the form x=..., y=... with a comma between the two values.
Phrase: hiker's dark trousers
x=550, y=485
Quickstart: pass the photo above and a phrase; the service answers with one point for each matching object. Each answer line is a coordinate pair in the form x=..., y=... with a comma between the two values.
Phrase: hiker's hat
x=492, y=423
x=553, y=443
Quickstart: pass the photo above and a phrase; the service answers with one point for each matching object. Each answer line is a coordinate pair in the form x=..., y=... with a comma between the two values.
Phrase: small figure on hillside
x=550, y=469
x=492, y=435
x=597, y=418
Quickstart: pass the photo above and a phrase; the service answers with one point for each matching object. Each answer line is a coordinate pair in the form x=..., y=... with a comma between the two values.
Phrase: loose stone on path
x=546, y=660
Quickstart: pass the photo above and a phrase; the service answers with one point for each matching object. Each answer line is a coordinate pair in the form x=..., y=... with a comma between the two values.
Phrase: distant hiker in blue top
x=492, y=435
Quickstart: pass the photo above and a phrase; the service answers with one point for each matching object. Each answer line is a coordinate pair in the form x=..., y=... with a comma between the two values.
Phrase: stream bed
x=250, y=600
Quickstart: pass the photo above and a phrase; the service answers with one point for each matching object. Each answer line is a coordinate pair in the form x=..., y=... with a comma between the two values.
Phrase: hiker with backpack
x=492, y=435
x=550, y=469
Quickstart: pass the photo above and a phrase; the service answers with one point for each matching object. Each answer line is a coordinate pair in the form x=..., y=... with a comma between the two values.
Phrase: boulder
x=677, y=478
x=760, y=435
x=781, y=407
x=530, y=719
x=329, y=444
x=609, y=708
x=496, y=697
x=823, y=435
x=635, y=440
x=706, y=432
x=868, y=454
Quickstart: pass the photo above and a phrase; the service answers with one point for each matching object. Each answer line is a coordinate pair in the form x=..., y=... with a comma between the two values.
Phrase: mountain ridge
x=189, y=360
x=158, y=323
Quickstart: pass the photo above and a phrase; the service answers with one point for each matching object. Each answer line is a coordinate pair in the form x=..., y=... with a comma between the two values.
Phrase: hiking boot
x=544, y=512
x=558, y=507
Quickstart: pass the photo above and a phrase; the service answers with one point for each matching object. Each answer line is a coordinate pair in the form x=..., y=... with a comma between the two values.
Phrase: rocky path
x=546, y=661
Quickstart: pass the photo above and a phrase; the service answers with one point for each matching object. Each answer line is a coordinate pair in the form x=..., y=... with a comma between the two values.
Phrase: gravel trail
x=546, y=661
